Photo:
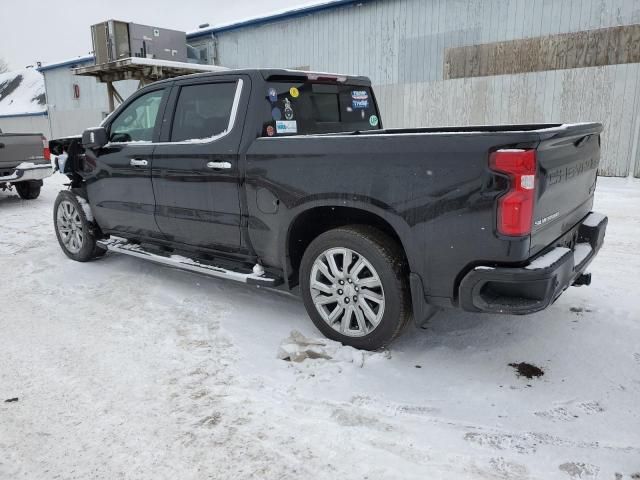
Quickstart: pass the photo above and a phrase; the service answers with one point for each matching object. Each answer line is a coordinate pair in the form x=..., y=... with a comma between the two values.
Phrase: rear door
x=568, y=159
x=120, y=188
x=195, y=168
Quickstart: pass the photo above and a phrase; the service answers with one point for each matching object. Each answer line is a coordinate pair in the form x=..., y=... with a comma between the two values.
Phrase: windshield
x=302, y=108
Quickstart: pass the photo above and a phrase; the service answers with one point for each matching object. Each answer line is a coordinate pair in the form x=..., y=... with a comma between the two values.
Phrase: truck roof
x=276, y=74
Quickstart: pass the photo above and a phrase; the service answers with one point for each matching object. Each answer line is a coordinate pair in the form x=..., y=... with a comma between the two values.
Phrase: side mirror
x=95, y=138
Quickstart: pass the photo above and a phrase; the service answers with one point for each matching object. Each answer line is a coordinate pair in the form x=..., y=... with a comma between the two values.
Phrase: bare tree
x=3, y=66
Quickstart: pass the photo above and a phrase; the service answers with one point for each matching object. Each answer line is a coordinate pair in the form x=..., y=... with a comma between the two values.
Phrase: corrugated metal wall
x=26, y=124
x=401, y=45
x=71, y=116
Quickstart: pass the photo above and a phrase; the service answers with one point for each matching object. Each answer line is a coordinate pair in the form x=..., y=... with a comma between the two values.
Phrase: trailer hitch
x=583, y=279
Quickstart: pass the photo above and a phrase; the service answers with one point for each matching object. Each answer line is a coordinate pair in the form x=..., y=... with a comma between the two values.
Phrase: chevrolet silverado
x=288, y=179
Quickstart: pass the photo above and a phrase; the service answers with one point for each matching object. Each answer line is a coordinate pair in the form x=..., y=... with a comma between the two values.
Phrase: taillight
x=46, y=153
x=515, y=208
x=326, y=78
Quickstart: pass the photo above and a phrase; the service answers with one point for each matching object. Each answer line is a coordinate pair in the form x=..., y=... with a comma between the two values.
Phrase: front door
x=120, y=189
x=195, y=167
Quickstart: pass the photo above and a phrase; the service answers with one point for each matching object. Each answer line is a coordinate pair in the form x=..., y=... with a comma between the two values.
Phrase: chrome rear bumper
x=28, y=171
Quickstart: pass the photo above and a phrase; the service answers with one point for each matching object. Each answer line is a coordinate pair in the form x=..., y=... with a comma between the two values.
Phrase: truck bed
x=433, y=186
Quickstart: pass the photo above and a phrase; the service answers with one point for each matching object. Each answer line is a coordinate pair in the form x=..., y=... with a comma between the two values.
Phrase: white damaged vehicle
x=24, y=162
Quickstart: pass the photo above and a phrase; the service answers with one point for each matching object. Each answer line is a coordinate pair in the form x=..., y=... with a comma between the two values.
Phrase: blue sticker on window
x=359, y=95
x=273, y=95
x=276, y=114
x=287, y=126
x=359, y=104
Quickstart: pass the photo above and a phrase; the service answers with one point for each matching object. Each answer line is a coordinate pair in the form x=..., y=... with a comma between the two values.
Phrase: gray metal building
x=462, y=62
x=73, y=102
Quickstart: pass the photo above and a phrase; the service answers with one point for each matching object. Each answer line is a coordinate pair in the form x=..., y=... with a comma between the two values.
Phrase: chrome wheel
x=347, y=292
x=69, y=225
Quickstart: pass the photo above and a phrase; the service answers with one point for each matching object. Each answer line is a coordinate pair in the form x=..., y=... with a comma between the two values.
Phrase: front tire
x=354, y=286
x=29, y=190
x=76, y=235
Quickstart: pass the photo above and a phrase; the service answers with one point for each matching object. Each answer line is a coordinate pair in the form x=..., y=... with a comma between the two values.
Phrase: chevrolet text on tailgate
x=288, y=179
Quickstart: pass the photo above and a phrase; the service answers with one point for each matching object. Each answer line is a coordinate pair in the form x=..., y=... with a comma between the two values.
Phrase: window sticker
x=273, y=95
x=276, y=113
x=359, y=99
x=287, y=126
x=373, y=121
x=359, y=95
x=294, y=92
x=288, y=111
x=359, y=104
x=270, y=131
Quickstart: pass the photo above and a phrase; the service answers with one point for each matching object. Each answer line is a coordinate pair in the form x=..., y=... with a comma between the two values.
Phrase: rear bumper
x=28, y=171
x=534, y=287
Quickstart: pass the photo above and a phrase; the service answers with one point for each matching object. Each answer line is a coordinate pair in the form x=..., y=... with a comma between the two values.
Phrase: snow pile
x=593, y=220
x=297, y=348
x=548, y=259
x=581, y=251
x=22, y=91
x=86, y=208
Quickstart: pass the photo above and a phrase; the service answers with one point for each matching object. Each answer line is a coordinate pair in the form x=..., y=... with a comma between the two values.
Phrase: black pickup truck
x=284, y=178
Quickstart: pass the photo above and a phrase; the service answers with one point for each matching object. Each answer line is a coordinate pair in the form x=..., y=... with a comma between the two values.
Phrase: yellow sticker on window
x=293, y=91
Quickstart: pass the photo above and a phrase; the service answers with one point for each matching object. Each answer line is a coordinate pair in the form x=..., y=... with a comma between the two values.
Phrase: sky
x=31, y=30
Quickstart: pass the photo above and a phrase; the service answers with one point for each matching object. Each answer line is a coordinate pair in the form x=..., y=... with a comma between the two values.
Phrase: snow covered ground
x=125, y=369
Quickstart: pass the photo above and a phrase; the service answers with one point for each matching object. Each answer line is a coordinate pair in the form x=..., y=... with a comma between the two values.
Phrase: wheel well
x=315, y=221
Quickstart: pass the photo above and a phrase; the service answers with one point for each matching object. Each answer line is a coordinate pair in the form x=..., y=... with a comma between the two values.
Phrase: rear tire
x=29, y=190
x=361, y=296
x=76, y=235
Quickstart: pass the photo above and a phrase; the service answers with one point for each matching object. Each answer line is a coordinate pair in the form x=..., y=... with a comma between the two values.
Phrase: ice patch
x=297, y=348
x=580, y=470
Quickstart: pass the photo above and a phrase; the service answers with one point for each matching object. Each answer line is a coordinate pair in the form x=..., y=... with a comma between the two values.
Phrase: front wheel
x=354, y=286
x=74, y=232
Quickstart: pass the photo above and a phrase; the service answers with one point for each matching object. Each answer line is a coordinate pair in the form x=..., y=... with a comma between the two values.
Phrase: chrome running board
x=256, y=277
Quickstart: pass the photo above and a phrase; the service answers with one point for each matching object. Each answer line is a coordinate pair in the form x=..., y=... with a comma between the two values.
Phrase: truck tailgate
x=568, y=157
x=18, y=148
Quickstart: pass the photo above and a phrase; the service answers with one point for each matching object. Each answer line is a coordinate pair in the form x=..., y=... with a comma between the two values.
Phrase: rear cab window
x=309, y=107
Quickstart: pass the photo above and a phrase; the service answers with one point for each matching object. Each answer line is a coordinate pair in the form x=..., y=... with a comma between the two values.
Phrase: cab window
x=203, y=111
x=137, y=121
x=303, y=108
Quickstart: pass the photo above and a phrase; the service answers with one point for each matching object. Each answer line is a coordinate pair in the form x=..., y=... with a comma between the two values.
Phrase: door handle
x=219, y=165
x=137, y=162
